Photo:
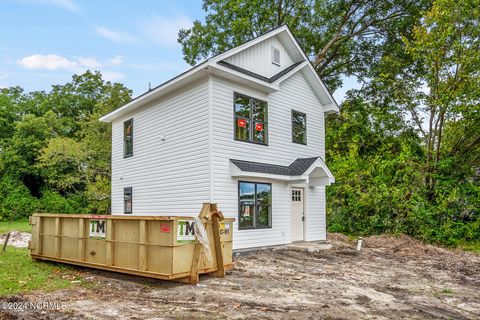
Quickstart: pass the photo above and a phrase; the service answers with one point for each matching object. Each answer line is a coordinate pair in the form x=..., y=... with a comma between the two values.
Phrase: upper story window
x=128, y=138
x=275, y=56
x=250, y=119
x=299, y=127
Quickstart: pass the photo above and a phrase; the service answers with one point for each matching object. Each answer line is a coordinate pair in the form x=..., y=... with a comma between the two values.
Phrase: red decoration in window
x=259, y=126
x=242, y=123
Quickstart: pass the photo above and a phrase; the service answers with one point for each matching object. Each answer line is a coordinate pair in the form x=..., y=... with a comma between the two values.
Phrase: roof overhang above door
x=311, y=171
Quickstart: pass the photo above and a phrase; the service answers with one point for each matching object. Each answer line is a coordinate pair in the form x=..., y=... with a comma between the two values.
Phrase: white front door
x=297, y=219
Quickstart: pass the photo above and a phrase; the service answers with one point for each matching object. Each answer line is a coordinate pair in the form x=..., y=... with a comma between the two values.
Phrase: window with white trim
x=275, y=56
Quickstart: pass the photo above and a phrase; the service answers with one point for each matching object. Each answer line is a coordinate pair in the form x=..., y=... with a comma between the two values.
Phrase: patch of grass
x=19, y=273
x=447, y=291
x=473, y=247
x=18, y=225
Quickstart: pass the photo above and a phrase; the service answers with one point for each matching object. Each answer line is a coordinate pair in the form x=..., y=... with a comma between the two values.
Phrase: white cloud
x=55, y=62
x=3, y=76
x=112, y=76
x=90, y=63
x=164, y=30
x=116, y=60
x=49, y=61
x=115, y=36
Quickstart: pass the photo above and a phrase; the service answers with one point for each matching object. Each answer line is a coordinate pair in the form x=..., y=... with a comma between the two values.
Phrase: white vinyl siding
x=258, y=58
x=183, y=143
x=294, y=93
x=168, y=177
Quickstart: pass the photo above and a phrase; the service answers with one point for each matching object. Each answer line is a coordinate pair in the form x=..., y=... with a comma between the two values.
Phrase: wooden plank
x=109, y=243
x=81, y=239
x=38, y=239
x=194, y=277
x=58, y=230
x=142, y=248
x=218, y=247
x=6, y=242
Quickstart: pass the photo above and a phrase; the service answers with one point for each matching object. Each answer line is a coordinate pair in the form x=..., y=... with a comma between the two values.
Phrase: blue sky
x=44, y=42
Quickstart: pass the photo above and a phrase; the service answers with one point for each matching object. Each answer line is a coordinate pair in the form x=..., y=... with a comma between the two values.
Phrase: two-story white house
x=244, y=129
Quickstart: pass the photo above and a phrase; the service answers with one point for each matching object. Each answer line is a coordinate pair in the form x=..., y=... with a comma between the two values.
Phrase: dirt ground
x=391, y=278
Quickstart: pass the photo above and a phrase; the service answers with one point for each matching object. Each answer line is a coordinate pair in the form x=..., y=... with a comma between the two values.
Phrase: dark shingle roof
x=258, y=76
x=296, y=168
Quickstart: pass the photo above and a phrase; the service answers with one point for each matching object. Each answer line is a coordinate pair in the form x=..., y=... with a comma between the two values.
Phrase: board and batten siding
x=170, y=177
x=295, y=93
x=258, y=58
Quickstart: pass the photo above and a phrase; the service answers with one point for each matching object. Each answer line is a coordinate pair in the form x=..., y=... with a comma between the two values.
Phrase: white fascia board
x=324, y=181
x=330, y=108
x=254, y=81
x=244, y=174
x=324, y=89
x=151, y=94
x=320, y=164
x=312, y=69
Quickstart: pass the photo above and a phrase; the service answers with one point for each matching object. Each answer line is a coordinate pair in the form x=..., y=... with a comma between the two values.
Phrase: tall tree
x=341, y=37
x=54, y=153
x=436, y=81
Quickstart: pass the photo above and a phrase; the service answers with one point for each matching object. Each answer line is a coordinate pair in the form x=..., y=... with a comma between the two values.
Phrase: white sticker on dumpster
x=186, y=231
x=225, y=228
x=97, y=228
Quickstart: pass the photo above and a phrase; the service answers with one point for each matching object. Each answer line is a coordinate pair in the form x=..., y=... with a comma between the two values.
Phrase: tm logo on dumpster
x=97, y=228
x=186, y=231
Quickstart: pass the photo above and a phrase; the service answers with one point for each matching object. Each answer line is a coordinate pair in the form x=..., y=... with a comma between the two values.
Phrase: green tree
x=375, y=157
x=341, y=37
x=79, y=161
x=436, y=81
x=430, y=85
x=54, y=153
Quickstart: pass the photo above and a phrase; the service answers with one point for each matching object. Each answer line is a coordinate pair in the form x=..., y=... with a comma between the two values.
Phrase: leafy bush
x=17, y=202
x=53, y=202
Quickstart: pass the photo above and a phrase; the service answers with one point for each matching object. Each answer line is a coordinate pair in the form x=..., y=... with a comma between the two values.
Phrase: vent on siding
x=275, y=56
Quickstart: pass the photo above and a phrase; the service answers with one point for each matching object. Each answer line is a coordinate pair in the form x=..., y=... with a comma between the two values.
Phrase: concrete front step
x=311, y=247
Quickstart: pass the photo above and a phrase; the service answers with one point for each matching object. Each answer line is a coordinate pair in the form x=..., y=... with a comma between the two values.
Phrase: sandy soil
x=392, y=278
x=17, y=239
